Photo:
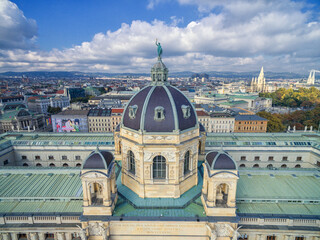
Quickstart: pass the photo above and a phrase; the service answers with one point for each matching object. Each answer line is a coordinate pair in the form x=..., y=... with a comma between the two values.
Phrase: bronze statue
x=159, y=48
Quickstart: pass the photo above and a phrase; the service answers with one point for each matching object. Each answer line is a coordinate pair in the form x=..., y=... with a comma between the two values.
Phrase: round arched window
x=159, y=167
x=242, y=165
x=131, y=162
x=256, y=165
x=283, y=165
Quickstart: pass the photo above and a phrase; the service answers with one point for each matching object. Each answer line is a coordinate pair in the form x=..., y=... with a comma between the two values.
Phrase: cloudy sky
x=196, y=35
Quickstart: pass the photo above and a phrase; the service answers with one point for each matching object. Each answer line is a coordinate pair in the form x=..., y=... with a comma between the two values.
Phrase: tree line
x=303, y=97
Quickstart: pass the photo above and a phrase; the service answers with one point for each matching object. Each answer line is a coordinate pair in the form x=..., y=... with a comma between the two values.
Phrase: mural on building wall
x=67, y=125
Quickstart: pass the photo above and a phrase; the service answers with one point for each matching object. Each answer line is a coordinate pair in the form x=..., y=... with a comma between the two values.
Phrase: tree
x=53, y=110
x=274, y=123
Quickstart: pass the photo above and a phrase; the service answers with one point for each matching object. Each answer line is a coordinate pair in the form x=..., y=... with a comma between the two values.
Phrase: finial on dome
x=97, y=149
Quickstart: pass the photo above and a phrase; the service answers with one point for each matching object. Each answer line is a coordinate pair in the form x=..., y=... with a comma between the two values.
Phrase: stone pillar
x=41, y=236
x=6, y=236
x=14, y=236
x=34, y=236
x=60, y=236
x=68, y=236
x=211, y=194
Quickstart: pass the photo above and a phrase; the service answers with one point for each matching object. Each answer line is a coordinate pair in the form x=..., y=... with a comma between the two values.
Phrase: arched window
x=25, y=165
x=159, y=167
x=270, y=166
x=52, y=165
x=256, y=165
x=131, y=162
x=297, y=166
x=186, y=162
x=65, y=165
x=38, y=165
x=78, y=165
x=242, y=165
x=283, y=165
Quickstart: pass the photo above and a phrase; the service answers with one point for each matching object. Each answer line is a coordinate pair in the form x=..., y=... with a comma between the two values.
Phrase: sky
x=196, y=35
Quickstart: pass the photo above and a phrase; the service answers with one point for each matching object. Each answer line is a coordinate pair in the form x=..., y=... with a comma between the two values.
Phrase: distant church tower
x=259, y=84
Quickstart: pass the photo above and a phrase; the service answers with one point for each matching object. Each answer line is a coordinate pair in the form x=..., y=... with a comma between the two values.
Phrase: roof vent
x=71, y=175
x=271, y=175
x=316, y=176
x=5, y=175
x=293, y=175
x=249, y=176
x=49, y=174
x=28, y=175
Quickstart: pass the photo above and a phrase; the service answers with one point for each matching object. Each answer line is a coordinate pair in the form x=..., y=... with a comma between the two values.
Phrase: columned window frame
x=159, y=168
x=131, y=162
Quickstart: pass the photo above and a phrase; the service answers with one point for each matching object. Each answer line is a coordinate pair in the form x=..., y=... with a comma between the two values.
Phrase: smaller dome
x=98, y=160
x=220, y=160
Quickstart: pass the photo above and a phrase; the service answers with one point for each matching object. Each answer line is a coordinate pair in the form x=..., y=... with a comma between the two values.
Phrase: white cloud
x=243, y=36
x=16, y=31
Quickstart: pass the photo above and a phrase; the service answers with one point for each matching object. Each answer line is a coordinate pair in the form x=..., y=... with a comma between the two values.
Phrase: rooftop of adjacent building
x=290, y=192
x=245, y=117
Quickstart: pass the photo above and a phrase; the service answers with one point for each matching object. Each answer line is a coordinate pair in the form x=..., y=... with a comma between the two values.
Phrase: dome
x=98, y=160
x=220, y=160
x=159, y=108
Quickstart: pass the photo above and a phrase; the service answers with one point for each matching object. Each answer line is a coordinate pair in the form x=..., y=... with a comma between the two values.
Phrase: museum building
x=159, y=177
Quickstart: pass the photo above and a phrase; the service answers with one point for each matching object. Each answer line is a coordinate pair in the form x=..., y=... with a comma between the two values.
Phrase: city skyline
x=119, y=36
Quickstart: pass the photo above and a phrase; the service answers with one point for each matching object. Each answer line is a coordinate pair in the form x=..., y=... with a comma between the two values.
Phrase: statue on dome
x=159, y=48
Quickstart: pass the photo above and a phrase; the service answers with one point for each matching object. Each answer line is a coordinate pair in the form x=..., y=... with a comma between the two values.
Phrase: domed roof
x=98, y=160
x=159, y=65
x=159, y=108
x=220, y=160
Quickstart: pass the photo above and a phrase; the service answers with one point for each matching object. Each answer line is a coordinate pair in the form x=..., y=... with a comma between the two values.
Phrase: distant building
x=19, y=118
x=217, y=122
x=250, y=123
x=12, y=99
x=258, y=84
x=40, y=104
x=70, y=121
x=92, y=91
x=74, y=92
x=99, y=120
x=116, y=115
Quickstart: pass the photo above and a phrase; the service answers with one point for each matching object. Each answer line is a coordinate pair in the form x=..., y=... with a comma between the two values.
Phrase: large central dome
x=159, y=109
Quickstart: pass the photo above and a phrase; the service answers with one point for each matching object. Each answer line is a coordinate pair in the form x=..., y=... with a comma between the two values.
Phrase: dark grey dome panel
x=108, y=157
x=220, y=160
x=159, y=97
x=98, y=160
x=179, y=100
x=210, y=157
x=138, y=100
x=223, y=161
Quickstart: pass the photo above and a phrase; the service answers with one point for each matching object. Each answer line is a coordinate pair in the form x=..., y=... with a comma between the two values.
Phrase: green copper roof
x=278, y=185
x=278, y=208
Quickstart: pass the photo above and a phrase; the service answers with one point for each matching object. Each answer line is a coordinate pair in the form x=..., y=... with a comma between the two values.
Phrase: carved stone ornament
x=224, y=175
x=223, y=230
x=94, y=175
x=94, y=229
